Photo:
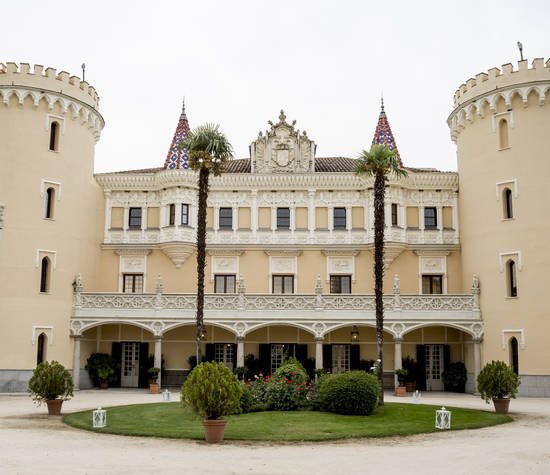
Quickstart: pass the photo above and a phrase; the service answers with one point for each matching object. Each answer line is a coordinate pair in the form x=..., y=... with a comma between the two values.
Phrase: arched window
x=503, y=134
x=507, y=203
x=50, y=195
x=54, y=136
x=45, y=275
x=511, y=278
x=513, y=345
x=41, y=349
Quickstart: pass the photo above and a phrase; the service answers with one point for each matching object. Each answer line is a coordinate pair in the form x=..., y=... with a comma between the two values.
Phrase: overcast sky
x=239, y=62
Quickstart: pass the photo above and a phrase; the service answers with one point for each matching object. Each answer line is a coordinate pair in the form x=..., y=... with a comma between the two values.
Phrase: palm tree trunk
x=379, y=224
x=201, y=255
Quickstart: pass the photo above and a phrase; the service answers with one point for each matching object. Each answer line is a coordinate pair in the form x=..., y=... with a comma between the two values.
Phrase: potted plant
x=400, y=390
x=411, y=366
x=51, y=383
x=454, y=377
x=498, y=382
x=212, y=391
x=153, y=375
x=102, y=362
x=105, y=375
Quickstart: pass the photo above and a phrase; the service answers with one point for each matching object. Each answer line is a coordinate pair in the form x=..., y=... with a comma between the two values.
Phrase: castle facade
x=106, y=262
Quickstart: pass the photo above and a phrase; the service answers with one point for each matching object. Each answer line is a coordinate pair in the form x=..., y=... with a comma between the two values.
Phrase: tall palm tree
x=208, y=150
x=379, y=162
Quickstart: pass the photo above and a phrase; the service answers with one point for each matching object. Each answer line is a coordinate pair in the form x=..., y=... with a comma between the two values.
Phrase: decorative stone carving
x=282, y=265
x=177, y=251
x=282, y=149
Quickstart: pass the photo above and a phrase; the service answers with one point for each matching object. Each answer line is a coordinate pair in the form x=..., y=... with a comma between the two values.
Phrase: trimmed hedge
x=354, y=392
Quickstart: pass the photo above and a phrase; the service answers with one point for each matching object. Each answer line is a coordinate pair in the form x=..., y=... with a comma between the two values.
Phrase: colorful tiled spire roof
x=383, y=134
x=178, y=158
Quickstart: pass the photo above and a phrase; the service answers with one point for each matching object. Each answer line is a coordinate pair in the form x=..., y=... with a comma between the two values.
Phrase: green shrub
x=497, y=381
x=354, y=392
x=293, y=371
x=153, y=374
x=212, y=391
x=50, y=381
x=105, y=363
x=454, y=377
x=254, y=396
x=286, y=395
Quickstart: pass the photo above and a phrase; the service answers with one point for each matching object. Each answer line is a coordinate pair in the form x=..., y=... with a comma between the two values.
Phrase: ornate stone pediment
x=282, y=149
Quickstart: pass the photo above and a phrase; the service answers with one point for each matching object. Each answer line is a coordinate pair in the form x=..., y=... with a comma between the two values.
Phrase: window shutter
x=327, y=357
x=354, y=357
x=421, y=362
x=265, y=358
x=446, y=357
x=116, y=353
x=234, y=346
x=301, y=352
x=210, y=352
x=143, y=381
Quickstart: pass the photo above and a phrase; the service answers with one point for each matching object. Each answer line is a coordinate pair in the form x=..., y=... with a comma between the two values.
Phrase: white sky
x=239, y=62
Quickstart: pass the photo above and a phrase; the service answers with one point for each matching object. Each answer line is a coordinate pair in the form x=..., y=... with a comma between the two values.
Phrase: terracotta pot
x=410, y=386
x=501, y=405
x=154, y=388
x=54, y=407
x=214, y=429
x=400, y=391
x=103, y=385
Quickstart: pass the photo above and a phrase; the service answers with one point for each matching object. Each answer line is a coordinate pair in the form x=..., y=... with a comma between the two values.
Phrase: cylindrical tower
x=52, y=213
x=501, y=125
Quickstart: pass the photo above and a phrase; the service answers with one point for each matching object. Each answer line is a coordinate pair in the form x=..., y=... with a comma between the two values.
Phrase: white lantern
x=416, y=397
x=442, y=419
x=99, y=417
x=166, y=396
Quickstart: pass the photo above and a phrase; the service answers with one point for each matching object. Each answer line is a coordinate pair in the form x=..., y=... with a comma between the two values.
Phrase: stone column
x=76, y=361
x=319, y=352
x=477, y=361
x=240, y=351
x=330, y=213
x=158, y=357
x=216, y=218
x=398, y=356
x=349, y=224
x=107, y=215
x=235, y=218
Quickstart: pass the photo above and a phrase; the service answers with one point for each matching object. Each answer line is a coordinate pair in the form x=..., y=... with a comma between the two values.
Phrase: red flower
x=288, y=381
x=308, y=387
x=293, y=374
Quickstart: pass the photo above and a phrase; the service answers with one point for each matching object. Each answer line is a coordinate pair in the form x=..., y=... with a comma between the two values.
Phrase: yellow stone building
x=106, y=262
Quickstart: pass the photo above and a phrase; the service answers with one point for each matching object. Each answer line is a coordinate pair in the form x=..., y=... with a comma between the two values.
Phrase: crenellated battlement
x=48, y=80
x=497, y=78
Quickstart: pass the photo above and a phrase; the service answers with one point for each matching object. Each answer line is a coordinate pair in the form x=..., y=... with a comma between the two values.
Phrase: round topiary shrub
x=50, y=381
x=212, y=391
x=497, y=381
x=354, y=392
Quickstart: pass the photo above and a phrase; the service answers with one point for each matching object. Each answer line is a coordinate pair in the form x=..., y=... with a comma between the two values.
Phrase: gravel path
x=32, y=442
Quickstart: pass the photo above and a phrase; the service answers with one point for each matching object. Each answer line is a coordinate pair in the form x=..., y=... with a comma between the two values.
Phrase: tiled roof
x=177, y=157
x=383, y=134
x=322, y=165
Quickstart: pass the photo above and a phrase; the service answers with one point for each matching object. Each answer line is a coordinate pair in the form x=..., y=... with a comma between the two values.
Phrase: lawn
x=171, y=420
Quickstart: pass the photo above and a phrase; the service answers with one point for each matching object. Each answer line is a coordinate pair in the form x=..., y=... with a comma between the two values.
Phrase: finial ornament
x=282, y=117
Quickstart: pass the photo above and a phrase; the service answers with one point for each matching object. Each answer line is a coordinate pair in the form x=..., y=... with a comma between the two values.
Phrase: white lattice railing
x=258, y=302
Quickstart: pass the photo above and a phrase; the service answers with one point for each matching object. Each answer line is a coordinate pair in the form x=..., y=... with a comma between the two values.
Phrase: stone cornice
x=155, y=181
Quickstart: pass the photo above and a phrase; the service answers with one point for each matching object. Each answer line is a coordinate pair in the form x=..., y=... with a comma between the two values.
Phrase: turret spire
x=177, y=158
x=383, y=134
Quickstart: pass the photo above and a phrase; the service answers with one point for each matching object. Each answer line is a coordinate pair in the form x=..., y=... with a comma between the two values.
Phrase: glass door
x=434, y=367
x=130, y=365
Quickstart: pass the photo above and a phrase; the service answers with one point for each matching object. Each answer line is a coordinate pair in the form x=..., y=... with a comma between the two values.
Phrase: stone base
x=534, y=385
x=470, y=383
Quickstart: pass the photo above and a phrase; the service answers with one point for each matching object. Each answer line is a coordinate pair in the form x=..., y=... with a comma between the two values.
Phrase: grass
x=171, y=420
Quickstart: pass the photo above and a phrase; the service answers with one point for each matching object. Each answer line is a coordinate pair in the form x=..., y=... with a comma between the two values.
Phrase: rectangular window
x=339, y=218
x=340, y=284
x=340, y=358
x=134, y=220
x=172, y=215
x=394, y=214
x=283, y=284
x=430, y=218
x=283, y=218
x=224, y=284
x=432, y=284
x=133, y=283
x=185, y=214
x=226, y=218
